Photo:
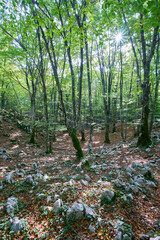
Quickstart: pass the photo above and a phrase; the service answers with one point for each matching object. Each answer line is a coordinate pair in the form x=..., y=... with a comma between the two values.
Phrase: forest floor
x=60, y=176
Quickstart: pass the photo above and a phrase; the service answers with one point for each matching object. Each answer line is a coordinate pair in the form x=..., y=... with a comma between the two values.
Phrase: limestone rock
x=56, y=196
x=108, y=195
x=12, y=205
x=135, y=165
x=84, y=182
x=118, y=236
x=118, y=183
x=128, y=197
x=87, y=178
x=126, y=237
x=29, y=180
x=16, y=224
x=76, y=212
x=9, y=178
x=49, y=198
x=20, y=173
x=88, y=211
x=46, y=210
x=41, y=196
x=57, y=205
x=91, y=228
x=147, y=173
x=100, y=221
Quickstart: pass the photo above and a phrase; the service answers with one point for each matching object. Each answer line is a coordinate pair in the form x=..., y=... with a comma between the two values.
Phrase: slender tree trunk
x=55, y=115
x=121, y=95
x=144, y=139
x=75, y=140
x=90, y=95
x=33, y=127
x=48, y=146
x=156, y=88
x=83, y=135
x=2, y=96
x=114, y=114
x=107, y=110
x=2, y=100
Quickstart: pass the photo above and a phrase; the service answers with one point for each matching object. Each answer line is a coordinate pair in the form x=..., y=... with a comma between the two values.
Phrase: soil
x=141, y=214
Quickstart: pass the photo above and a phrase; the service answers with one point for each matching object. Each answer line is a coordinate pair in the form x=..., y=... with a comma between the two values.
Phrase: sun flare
x=118, y=37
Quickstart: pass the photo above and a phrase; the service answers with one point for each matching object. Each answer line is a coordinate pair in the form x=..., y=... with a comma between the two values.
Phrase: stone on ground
x=12, y=205
x=108, y=195
x=76, y=212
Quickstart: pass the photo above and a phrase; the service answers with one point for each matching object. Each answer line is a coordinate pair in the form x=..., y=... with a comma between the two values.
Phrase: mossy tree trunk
x=76, y=143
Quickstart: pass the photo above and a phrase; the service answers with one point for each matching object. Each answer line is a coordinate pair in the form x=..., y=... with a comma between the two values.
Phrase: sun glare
x=118, y=37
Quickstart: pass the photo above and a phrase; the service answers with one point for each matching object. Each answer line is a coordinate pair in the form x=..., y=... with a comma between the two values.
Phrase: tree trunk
x=76, y=144
x=144, y=138
x=121, y=95
x=89, y=93
x=107, y=113
x=2, y=96
x=41, y=69
x=83, y=135
x=72, y=133
x=156, y=88
x=33, y=130
x=114, y=114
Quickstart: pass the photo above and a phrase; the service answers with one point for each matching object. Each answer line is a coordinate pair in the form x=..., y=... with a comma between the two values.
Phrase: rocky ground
x=114, y=194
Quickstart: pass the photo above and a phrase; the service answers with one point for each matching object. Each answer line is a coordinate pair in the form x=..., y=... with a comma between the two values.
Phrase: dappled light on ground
x=61, y=176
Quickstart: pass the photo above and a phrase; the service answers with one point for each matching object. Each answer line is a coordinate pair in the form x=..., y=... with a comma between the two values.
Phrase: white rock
x=41, y=195
x=57, y=205
x=87, y=178
x=9, y=178
x=19, y=173
x=29, y=179
x=126, y=237
x=4, y=156
x=56, y=196
x=35, y=167
x=12, y=205
x=151, y=184
x=84, y=182
x=71, y=182
x=88, y=211
x=100, y=221
x=46, y=209
x=76, y=212
x=119, y=236
x=91, y=228
x=16, y=224
x=107, y=195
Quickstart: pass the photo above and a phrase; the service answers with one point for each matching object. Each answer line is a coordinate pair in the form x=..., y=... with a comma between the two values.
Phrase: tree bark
x=144, y=138
x=156, y=88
